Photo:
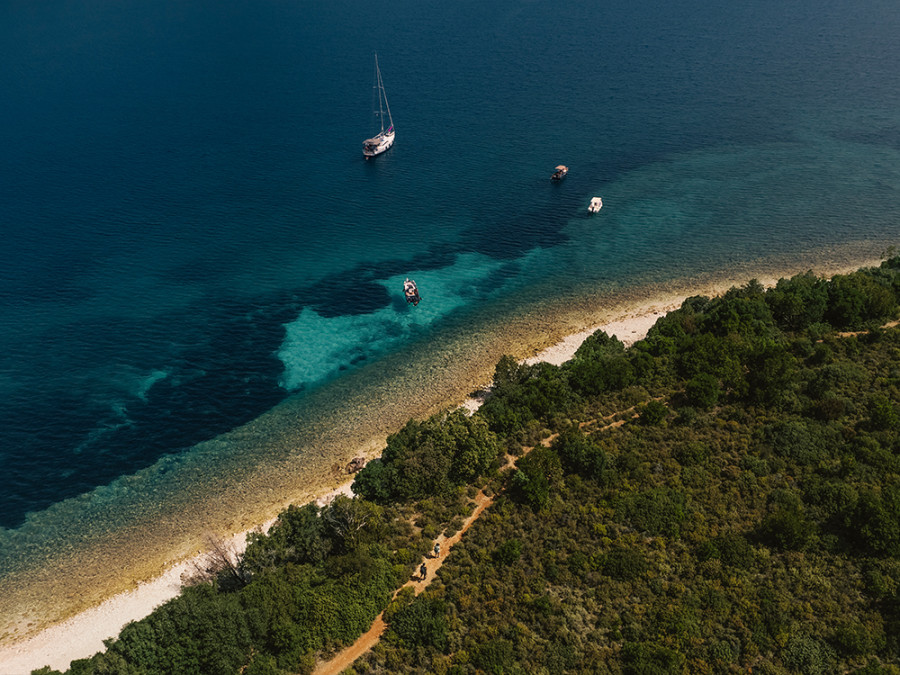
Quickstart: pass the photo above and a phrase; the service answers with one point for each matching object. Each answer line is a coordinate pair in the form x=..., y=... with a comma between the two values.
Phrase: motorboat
x=411, y=291
x=560, y=172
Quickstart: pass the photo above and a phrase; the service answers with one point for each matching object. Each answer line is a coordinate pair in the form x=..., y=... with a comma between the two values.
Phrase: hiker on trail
x=437, y=549
x=424, y=570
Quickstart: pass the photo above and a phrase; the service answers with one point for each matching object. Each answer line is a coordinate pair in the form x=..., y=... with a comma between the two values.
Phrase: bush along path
x=432, y=563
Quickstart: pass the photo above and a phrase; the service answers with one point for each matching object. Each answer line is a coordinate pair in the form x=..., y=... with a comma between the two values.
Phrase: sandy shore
x=629, y=328
x=83, y=635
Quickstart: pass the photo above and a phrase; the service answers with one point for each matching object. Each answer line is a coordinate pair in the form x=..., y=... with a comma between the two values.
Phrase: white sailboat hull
x=381, y=143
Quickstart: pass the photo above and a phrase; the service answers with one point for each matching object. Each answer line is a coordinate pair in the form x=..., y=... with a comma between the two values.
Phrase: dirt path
x=345, y=658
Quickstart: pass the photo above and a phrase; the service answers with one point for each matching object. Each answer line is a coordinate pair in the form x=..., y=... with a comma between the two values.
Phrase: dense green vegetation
x=319, y=577
x=429, y=458
x=724, y=496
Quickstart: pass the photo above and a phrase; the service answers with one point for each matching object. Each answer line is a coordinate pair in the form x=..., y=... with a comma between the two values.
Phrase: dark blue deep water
x=190, y=232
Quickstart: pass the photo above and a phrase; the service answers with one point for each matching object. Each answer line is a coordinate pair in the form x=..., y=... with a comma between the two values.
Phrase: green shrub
x=653, y=413
x=422, y=623
x=647, y=658
x=624, y=564
x=876, y=521
x=692, y=453
x=770, y=374
x=787, y=529
x=429, y=458
x=580, y=454
x=882, y=413
x=508, y=552
x=854, y=638
x=657, y=511
x=702, y=391
x=808, y=655
x=537, y=472
x=798, y=302
x=494, y=656
x=731, y=548
x=298, y=536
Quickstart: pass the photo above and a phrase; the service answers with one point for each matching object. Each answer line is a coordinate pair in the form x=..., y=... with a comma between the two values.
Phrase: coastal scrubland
x=721, y=497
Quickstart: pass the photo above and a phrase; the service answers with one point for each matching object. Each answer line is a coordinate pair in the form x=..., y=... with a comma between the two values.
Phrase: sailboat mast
x=377, y=86
x=382, y=95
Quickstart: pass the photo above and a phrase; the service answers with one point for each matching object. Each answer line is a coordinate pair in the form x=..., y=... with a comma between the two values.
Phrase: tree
x=787, y=529
x=702, y=390
x=770, y=374
x=507, y=372
x=808, y=655
x=854, y=638
x=600, y=374
x=624, y=564
x=883, y=413
x=798, y=302
x=719, y=357
x=854, y=299
x=262, y=664
x=671, y=331
x=876, y=521
x=741, y=311
x=536, y=473
x=495, y=656
x=533, y=392
x=375, y=481
x=600, y=365
x=475, y=446
x=656, y=510
x=653, y=413
x=508, y=552
x=580, y=454
x=801, y=441
x=646, y=658
x=731, y=548
x=348, y=519
x=599, y=344
x=219, y=561
x=298, y=535
x=428, y=458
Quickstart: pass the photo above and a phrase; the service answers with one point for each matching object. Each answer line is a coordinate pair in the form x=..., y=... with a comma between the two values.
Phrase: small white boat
x=596, y=205
x=411, y=291
x=385, y=138
x=560, y=172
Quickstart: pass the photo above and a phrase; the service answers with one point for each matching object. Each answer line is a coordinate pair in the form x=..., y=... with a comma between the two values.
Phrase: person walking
x=437, y=549
x=423, y=571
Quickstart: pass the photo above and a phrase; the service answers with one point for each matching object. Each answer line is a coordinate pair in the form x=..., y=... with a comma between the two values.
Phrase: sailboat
x=385, y=139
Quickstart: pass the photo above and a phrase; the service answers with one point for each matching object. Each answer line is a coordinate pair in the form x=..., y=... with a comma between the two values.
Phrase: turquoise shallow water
x=201, y=276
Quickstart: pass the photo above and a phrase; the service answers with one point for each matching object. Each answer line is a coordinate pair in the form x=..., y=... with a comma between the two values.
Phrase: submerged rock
x=356, y=464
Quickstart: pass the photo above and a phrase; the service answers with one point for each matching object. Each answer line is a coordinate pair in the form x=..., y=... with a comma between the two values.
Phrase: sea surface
x=201, y=276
